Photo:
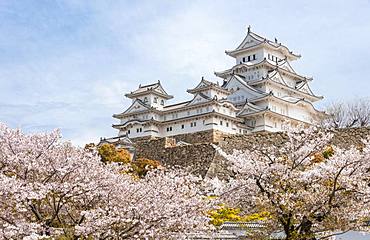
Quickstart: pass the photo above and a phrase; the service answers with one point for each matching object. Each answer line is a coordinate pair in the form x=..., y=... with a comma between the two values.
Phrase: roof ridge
x=149, y=85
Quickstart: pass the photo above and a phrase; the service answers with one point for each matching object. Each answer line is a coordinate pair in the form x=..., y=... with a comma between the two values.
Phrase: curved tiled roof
x=228, y=72
x=155, y=88
x=205, y=85
x=273, y=73
x=288, y=99
x=244, y=83
x=261, y=41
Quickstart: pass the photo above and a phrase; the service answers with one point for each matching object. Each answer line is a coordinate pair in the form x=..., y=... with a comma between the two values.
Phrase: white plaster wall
x=246, y=93
x=300, y=112
x=259, y=56
x=275, y=53
x=227, y=126
x=177, y=127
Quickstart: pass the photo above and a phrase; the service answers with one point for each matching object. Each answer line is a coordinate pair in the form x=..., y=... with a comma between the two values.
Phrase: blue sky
x=67, y=64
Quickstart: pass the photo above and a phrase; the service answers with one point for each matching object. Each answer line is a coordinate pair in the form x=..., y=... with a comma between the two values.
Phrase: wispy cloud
x=68, y=63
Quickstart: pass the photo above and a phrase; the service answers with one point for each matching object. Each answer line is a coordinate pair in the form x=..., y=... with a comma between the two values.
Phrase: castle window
x=269, y=56
x=139, y=130
x=227, y=124
x=162, y=102
x=254, y=56
x=145, y=99
x=182, y=126
x=128, y=131
x=155, y=100
x=249, y=58
x=169, y=129
x=193, y=124
x=221, y=123
x=243, y=59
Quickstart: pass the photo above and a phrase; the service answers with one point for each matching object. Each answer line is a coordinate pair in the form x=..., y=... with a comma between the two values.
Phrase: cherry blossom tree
x=50, y=188
x=309, y=188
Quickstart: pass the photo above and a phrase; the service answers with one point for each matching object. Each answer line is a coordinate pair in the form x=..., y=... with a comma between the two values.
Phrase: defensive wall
x=197, y=154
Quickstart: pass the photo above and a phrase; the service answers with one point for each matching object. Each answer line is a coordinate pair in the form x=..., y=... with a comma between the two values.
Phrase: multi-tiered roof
x=254, y=41
x=257, y=94
x=155, y=88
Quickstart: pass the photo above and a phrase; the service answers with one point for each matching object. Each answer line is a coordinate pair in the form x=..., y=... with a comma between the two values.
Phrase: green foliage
x=142, y=165
x=227, y=214
x=109, y=153
x=328, y=152
x=324, y=155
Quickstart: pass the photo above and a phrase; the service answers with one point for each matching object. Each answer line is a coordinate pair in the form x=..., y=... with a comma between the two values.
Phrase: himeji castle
x=259, y=93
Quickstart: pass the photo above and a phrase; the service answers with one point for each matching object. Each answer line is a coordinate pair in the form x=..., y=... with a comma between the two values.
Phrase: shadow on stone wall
x=201, y=157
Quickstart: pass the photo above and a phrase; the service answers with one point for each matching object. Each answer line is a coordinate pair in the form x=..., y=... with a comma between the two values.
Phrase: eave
x=289, y=54
x=135, y=95
x=152, y=121
x=229, y=72
x=184, y=108
x=196, y=90
x=268, y=111
x=286, y=86
x=271, y=96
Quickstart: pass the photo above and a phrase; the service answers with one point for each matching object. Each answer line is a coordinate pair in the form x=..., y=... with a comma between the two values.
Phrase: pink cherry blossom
x=305, y=197
x=51, y=188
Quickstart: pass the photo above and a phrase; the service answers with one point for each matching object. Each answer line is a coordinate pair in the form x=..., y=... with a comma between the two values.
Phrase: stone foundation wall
x=344, y=138
x=202, y=158
x=208, y=136
x=195, y=158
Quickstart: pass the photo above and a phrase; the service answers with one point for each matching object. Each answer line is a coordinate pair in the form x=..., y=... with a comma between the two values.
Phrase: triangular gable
x=203, y=83
x=305, y=88
x=276, y=77
x=249, y=108
x=285, y=65
x=238, y=87
x=160, y=89
x=154, y=88
x=249, y=41
x=136, y=106
x=198, y=98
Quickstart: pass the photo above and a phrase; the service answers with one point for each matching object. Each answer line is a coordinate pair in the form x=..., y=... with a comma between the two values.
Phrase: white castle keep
x=259, y=93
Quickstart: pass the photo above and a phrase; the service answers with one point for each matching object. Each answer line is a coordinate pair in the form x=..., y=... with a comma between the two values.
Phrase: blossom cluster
x=49, y=188
x=307, y=196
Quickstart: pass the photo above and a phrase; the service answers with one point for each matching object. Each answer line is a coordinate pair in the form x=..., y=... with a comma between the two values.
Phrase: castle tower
x=152, y=95
x=259, y=93
x=266, y=87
